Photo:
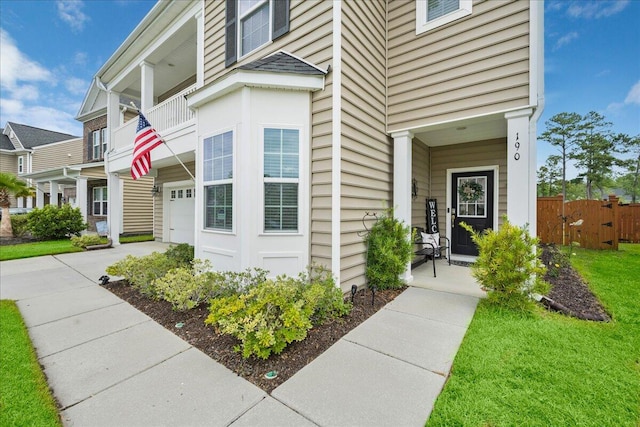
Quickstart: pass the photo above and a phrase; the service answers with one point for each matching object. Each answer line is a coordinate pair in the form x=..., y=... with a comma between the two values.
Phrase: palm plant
x=10, y=185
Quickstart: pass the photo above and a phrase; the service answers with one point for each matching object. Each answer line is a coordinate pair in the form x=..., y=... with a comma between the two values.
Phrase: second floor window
x=250, y=24
x=98, y=143
x=431, y=14
x=21, y=164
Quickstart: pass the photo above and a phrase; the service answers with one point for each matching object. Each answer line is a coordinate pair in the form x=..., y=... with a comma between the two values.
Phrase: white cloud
x=596, y=9
x=39, y=116
x=80, y=58
x=16, y=67
x=70, y=12
x=76, y=86
x=633, y=97
x=566, y=39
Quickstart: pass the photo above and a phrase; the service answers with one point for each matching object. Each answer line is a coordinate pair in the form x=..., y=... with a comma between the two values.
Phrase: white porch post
x=81, y=196
x=40, y=195
x=114, y=207
x=53, y=193
x=521, y=182
x=200, y=49
x=402, y=146
x=146, y=76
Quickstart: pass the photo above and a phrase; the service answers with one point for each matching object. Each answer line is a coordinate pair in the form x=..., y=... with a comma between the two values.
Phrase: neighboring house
x=134, y=198
x=26, y=149
x=298, y=117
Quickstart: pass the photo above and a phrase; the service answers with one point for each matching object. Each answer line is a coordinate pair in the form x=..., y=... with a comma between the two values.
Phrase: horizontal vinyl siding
x=138, y=205
x=367, y=153
x=482, y=153
x=94, y=172
x=9, y=163
x=170, y=174
x=57, y=155
x=473, y=66
x=310, y=38
x=420, y=172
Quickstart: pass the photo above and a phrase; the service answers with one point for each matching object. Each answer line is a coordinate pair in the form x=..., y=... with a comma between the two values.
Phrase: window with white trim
x=218, y=181
x=103, y=137
x=98, y=143
x=431, y=14
x=281, y=178
x=250, y=24
x=21, y=164
x=254, y=28
x=100, y=201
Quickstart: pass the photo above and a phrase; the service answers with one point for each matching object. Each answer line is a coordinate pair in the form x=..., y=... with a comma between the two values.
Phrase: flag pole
x=167, y=145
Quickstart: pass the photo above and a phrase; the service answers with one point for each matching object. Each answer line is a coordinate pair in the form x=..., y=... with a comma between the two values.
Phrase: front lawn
x=545, y=369
x=25, y=399
x=54, y=247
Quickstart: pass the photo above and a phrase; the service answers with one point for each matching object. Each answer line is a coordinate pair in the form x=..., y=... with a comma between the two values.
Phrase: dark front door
x=472, y=202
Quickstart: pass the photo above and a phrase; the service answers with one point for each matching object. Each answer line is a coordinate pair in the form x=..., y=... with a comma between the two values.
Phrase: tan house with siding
x=297, y=117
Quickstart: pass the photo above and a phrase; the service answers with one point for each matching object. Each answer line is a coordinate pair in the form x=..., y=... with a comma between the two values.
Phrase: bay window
x=218, y=181
x=281, y=178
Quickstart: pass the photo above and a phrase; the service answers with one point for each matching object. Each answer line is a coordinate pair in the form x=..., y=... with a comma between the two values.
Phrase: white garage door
x=182, y=215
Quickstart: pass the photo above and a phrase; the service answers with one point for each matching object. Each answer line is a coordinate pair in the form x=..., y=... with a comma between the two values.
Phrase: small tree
x=507, y=264
x=390, y=247
x=10, y=185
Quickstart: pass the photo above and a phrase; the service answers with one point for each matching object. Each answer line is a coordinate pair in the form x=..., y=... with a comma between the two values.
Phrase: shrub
x=181, y=255
x=185, y=288
x=276, y=312
x=390, y=248
x=19, y=224
x=141, y=272
x=507, y=264
x=86, y=240
x=53, y=223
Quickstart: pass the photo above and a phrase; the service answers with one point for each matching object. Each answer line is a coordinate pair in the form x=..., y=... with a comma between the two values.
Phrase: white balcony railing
x=171, y=112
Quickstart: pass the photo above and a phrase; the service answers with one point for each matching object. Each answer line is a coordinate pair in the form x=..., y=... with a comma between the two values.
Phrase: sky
x=50, y=50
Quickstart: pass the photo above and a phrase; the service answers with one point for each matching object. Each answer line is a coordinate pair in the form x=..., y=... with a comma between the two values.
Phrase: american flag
x=146, y=140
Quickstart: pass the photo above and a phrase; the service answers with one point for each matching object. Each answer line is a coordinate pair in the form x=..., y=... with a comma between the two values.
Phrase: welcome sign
x=432, y=216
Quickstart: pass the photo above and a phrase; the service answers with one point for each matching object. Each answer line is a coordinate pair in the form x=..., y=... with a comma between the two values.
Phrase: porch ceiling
x=461, y=131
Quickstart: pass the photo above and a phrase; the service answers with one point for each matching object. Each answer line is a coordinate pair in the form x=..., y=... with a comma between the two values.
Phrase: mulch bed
x=220, y=347
x=569, y=294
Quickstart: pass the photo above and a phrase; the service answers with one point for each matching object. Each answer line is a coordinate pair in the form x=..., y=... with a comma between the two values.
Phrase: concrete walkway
x=111, y=365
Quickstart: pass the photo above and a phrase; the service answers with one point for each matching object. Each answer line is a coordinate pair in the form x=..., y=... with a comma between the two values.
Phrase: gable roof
x=283, y=62
x=30, y=136
x=5, y=142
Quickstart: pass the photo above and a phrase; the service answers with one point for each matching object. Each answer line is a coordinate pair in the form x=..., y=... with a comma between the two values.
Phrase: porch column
x=402, y=146
x=40, y=194
x=81, y=196
x=200, y=49
x=146, y=89
x=521, y=171
x=53, y=193
x=114, y=207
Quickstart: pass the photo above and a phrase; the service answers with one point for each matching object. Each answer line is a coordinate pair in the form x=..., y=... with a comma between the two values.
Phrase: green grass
x=545, y=369
x=25, y=399
x=28, y=250
x=54, y=247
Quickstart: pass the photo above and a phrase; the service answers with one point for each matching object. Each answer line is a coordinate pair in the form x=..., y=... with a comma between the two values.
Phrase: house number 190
x=516, y=156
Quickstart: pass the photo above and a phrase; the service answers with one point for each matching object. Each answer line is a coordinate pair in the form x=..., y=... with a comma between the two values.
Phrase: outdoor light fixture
x=155, y=190
x=354, y=289
x=104, y=279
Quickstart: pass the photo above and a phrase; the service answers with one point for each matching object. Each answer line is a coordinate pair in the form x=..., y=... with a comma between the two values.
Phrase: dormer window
x=431, y=14
x=251, y=24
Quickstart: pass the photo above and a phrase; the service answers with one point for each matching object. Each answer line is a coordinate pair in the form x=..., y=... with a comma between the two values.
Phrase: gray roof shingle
x=5, y=142
x=282, y=62
x=30, y=136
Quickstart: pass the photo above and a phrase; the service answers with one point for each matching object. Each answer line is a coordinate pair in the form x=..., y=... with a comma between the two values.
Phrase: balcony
x=166, y=117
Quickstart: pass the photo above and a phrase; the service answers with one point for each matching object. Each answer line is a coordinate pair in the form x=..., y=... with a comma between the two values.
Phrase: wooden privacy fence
x=594, y=224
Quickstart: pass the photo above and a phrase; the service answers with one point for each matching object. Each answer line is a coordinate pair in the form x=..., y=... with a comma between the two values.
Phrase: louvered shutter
x=280, y=18
x=231, y=42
